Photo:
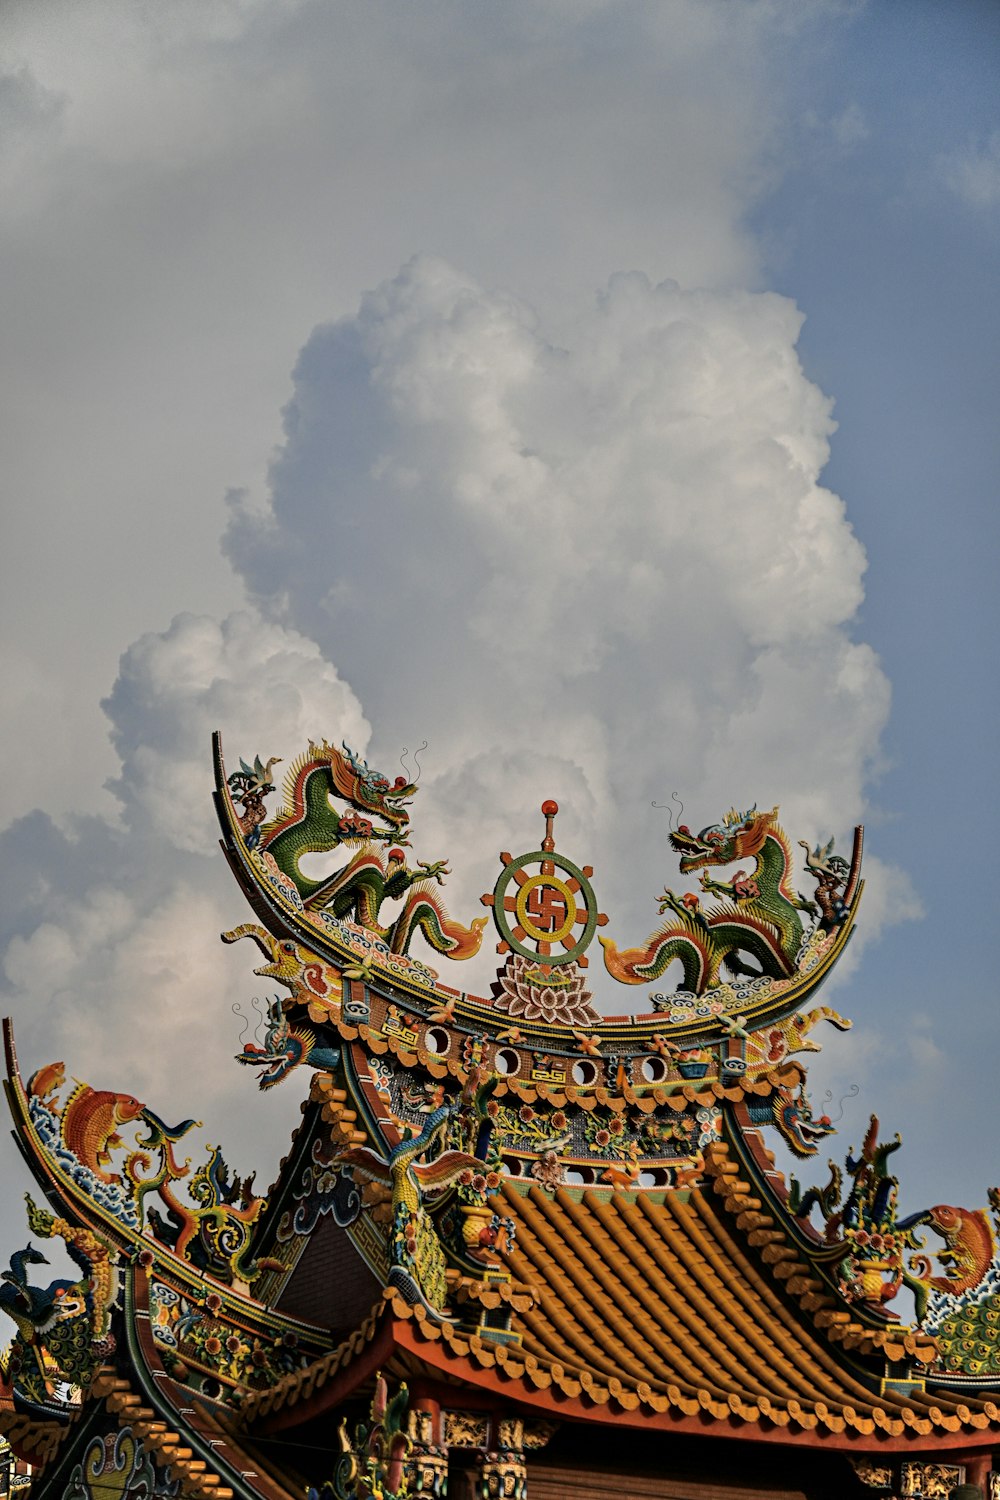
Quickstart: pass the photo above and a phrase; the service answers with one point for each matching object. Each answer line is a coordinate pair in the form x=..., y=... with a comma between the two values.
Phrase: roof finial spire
x=549, y=810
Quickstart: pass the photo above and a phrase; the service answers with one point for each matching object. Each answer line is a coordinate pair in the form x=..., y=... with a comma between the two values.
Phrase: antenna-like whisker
x=665, y=807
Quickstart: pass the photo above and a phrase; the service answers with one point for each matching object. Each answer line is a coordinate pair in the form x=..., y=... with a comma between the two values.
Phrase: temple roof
x=651, y=1312
x=511, y=1200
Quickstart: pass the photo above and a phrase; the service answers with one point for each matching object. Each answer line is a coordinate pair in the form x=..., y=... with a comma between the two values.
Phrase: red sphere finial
x=549, y=810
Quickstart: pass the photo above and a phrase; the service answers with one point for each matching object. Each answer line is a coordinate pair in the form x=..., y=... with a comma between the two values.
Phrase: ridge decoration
x=871, y=1237
x=284, y=1048
x=62, y=1329
x=373, y=1463
x=510, y=1198
x=878, y=1252
x=422, y=1164
x=545, y=907
x=118, y=1467
x=759, y=913
x=960, y=1306
x=571, y=1097
x=82, y=1138
x=307, y=824
x=354, y=994
x=759, y=947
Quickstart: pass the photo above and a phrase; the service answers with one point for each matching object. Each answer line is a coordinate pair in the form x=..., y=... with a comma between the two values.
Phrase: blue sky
x=400, y=372
x=897, y=274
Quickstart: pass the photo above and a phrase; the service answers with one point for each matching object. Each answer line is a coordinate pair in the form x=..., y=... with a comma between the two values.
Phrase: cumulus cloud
x=599, y=569
x=112, y=955
x=651, y=488
x=189, y=192
x=174, y=688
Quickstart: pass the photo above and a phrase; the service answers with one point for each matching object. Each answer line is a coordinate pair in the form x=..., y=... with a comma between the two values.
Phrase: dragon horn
x=358, y=765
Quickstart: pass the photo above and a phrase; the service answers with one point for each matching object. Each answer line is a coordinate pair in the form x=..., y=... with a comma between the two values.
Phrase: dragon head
x=738, y=836
x=284, y=1048
x=801, y=1129
x=369, y=790
x=788, y=1108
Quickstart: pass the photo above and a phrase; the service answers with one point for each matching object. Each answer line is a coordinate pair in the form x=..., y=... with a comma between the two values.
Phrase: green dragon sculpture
x=759, y=913
x=308, y=823
x=369, y=878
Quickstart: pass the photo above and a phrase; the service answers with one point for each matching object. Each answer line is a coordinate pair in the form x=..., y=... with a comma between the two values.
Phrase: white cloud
x=242, y=674
x=193, y=189
x=850, y=127
x=47, y=962
x=599, y=570
x=972, y=172
x=117, y=965
x=135, y=992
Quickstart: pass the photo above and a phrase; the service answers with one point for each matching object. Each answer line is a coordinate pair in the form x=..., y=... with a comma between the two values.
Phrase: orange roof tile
x=656, y=1308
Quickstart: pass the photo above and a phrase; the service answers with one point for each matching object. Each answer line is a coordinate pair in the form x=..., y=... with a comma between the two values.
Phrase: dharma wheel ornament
x=543, y=898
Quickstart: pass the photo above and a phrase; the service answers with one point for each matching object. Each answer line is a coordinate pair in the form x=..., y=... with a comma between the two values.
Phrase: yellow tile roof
x=662, y=1309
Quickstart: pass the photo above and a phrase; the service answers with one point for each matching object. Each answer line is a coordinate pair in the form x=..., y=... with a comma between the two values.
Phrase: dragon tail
x=423, y=912
x=643, y=965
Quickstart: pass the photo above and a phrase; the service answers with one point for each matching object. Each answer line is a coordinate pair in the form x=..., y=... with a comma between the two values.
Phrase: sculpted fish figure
x=90, y=1122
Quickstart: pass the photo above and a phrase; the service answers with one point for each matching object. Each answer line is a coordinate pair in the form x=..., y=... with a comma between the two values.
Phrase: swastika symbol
x=547, y=907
